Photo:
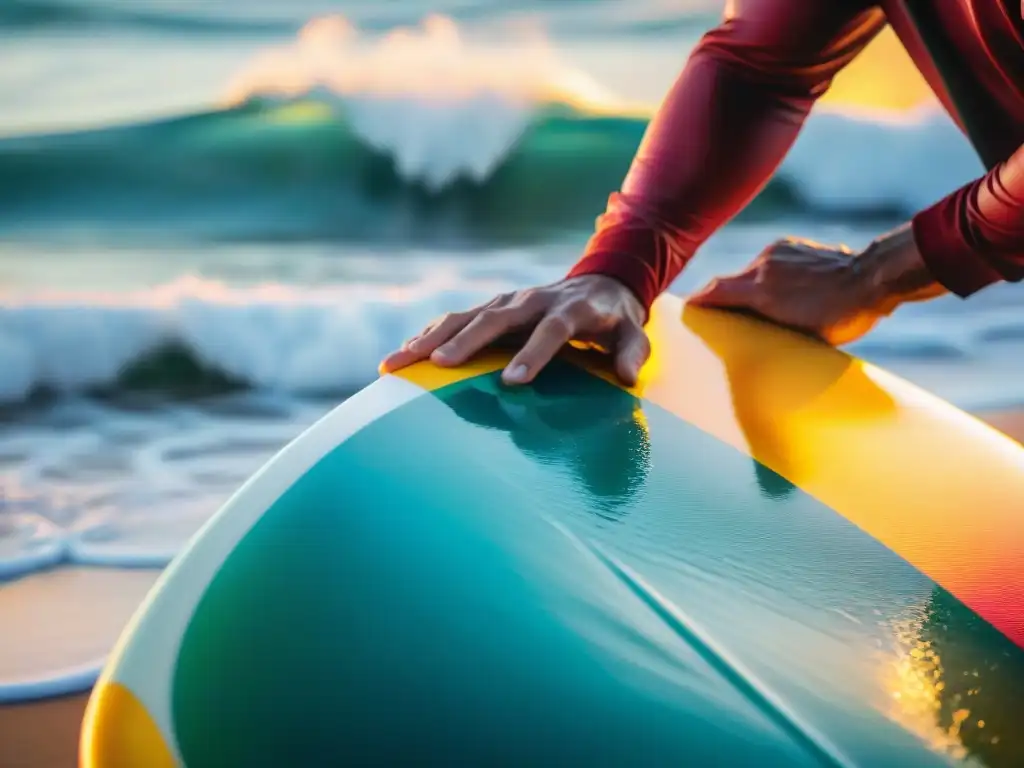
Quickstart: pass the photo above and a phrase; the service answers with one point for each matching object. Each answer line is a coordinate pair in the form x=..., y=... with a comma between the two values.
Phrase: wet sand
x=1010, y=422
x=66, y=618
x=45, y=734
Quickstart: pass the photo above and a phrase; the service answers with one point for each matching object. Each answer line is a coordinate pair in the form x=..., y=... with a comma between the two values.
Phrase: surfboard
x=766, y=553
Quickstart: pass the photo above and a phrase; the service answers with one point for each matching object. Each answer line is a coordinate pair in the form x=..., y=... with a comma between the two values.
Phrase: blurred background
x=216, y=217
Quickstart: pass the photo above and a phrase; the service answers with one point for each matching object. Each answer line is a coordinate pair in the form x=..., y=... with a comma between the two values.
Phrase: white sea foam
x=845, y=161
x=295, y=340
x=274, y=337
x=445, y=106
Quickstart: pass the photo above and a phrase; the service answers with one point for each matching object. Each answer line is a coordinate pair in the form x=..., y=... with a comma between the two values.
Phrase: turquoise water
x=216, y=217
x=163, y=158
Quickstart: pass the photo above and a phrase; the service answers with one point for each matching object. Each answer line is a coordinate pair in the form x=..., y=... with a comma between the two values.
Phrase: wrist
x=615, y=286
x=627, y=270
x=611, y=285
x=893, y=272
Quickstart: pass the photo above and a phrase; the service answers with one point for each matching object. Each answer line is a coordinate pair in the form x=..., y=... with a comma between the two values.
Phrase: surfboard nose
x=118, y=732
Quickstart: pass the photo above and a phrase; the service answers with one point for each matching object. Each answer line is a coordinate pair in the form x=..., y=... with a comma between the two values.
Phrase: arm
x=721, y=132
x=975, y=236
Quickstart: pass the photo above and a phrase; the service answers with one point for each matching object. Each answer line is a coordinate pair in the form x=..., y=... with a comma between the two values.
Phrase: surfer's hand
x=829, y=292
x=591, y=308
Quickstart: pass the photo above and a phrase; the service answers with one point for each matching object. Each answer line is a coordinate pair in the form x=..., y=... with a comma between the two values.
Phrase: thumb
x=633, y=350
x=737, y=292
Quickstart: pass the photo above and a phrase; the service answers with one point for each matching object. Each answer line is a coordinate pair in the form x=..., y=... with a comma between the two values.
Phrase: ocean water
x=216, y=217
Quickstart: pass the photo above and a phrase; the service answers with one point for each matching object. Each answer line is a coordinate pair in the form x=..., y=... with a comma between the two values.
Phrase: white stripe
x=145, y=658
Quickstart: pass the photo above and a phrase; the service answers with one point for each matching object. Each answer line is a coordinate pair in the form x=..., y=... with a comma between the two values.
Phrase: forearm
x=713, y=144
x=721, y=132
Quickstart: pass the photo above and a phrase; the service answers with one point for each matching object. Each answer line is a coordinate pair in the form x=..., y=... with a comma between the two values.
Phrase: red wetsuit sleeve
x=722, y=131
x=975, y=236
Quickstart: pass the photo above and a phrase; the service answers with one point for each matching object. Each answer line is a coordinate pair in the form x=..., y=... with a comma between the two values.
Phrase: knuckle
x=491, y=316
x=526, y=294
x=530, y=299
x=501, y=300
x=558, y=324
x=583, y=311
x=487, y=315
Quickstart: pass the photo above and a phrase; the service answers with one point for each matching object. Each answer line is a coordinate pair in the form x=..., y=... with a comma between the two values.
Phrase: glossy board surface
x=765, y=553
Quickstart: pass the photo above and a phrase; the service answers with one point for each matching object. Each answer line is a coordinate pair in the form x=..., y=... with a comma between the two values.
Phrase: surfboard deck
x=765, y=553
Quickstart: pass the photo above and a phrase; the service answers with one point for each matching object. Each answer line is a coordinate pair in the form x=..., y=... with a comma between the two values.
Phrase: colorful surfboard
x=766, y=553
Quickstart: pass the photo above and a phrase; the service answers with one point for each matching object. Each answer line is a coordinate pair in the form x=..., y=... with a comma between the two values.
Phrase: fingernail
x=441, y=355
x=515, y=374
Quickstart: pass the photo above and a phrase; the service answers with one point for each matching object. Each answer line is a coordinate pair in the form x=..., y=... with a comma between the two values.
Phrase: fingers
x=397, y=360
x=633, y=351
x=553, y=315
x=443, y=331
x=420, y=347
x=486, y=327
x=737, y=292
x=551, y=334
x=555, y=331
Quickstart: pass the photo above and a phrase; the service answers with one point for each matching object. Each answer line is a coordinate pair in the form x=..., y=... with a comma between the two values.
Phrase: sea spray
x=427, y=135
x=441, y=106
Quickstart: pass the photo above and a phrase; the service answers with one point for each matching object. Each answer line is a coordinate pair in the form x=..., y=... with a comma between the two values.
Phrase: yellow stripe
x=118, y=732
x=431, y=377
x=934, y=484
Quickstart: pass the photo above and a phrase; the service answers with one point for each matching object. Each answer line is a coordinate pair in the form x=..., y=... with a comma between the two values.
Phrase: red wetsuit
x=739, y=103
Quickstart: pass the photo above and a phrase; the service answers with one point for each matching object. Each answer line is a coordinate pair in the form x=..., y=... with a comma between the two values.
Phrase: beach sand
x=64, y=618
x=45, y=734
